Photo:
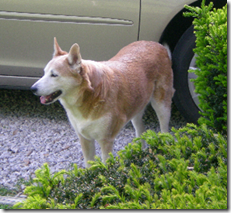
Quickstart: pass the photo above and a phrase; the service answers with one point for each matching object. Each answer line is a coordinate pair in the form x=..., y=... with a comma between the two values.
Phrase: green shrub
x=211, y=50
x=187, y=170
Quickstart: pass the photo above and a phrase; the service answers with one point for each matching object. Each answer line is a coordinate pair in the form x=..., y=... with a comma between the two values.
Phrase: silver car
x=101, y=28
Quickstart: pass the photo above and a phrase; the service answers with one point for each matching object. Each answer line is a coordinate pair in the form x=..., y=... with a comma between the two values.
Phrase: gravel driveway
x=32, y=134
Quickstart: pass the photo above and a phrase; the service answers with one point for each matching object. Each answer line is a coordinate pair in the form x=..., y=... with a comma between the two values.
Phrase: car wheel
x=183, y=59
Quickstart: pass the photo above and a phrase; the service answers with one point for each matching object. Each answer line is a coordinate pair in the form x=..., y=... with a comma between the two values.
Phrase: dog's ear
x=74, y=56
x=57, y=50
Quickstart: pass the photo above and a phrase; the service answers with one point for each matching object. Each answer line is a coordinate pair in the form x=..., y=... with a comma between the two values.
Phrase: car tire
x=181, y=58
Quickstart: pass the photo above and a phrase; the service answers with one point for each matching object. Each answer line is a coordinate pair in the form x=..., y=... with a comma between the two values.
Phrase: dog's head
x=61, y=75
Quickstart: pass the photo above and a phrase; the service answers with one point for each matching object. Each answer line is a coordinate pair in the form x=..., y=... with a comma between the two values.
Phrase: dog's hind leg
x=163, y=113
x=88, y=147
x=161, y=102
x=138, y=124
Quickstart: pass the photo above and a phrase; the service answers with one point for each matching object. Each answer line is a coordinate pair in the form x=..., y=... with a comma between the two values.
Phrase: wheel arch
x=173, y=27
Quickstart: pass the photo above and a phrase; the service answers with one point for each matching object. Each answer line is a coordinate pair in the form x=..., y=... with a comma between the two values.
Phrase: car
x=101, y=28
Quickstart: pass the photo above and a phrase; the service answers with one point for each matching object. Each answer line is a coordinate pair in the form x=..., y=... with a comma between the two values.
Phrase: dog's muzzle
x=47, y=99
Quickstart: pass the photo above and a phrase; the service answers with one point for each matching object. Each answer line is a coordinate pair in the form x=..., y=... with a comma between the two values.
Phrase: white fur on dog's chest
x=89, y=129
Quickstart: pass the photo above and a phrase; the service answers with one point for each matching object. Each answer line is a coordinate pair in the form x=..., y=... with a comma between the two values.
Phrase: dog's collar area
x=50, y=98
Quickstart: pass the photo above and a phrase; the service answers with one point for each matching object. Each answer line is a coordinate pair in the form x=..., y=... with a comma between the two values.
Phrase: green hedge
x=184, y=171
x=211, y=49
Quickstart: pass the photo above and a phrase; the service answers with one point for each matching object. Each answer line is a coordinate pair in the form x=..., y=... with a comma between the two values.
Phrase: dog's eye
x=53, y=75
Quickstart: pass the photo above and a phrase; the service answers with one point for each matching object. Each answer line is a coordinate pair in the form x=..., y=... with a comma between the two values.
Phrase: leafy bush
x=187, y=170
x=211, y=50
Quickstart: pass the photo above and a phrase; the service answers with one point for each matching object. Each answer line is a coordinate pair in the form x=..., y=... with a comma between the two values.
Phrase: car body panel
x=155, y=16
x=28, y=28
x=100, y=27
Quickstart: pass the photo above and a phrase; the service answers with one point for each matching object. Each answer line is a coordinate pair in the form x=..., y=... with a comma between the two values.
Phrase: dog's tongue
x=43, y=99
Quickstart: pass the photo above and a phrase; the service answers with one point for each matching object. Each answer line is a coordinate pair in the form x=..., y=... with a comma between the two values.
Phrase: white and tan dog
x=101, y=97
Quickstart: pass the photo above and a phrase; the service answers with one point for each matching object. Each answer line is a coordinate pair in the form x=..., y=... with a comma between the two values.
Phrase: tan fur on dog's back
x=129, y=78
x=101, y=97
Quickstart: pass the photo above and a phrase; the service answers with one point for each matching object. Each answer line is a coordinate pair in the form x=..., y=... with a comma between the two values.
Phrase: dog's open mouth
x=50, y=98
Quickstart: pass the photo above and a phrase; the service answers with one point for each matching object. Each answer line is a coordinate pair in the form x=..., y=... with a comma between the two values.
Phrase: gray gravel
x=32, y=134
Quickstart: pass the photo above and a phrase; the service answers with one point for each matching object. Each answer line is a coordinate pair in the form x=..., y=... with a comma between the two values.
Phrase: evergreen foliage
x=211, y=50
x=187, y=170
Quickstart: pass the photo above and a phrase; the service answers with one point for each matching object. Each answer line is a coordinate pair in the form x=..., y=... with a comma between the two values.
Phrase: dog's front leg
x=106, y=148
x=88, y=147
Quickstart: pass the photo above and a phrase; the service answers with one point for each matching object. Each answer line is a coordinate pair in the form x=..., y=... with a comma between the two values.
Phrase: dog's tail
x=168, y=50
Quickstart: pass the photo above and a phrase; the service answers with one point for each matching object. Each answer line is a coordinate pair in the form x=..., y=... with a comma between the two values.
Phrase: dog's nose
x=34, y=89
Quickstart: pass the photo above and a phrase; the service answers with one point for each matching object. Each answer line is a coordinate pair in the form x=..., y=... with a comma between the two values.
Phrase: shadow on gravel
x=24, y=103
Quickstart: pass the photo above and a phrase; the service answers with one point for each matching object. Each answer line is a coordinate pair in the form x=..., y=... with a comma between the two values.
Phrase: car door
x=28, y=27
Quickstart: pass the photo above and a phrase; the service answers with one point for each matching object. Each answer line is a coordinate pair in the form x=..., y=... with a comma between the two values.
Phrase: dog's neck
x=91, y=95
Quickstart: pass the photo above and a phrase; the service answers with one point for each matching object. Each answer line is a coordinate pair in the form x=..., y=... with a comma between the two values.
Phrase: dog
x=101, y=97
